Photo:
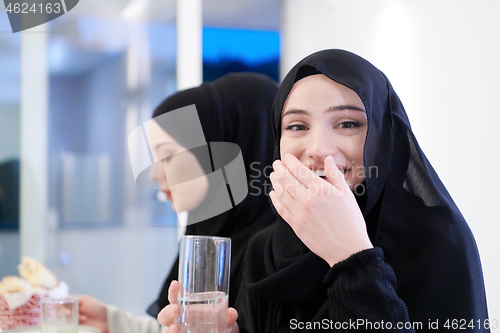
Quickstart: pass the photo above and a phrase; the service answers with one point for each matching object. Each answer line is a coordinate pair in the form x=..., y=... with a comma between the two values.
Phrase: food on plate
x=36, y=273
x=14, y=284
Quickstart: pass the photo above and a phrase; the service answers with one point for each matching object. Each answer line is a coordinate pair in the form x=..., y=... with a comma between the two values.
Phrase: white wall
x=442, y=58
x=33, y=144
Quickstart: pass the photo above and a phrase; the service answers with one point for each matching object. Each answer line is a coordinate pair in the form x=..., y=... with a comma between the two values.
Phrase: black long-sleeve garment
x=361, y=296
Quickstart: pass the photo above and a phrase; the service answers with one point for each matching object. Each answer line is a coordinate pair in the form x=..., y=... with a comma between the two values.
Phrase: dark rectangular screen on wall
x=240, y=50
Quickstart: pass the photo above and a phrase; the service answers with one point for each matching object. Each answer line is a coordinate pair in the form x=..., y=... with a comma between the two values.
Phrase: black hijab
x=235, y=108
x=408, y=213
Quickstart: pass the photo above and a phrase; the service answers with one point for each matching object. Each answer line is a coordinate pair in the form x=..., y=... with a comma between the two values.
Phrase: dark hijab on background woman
x=235, y=108
x=409, y=214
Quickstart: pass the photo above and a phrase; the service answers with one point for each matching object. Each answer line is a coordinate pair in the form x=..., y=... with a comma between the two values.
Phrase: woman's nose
x=321, y=144
x=156, y=174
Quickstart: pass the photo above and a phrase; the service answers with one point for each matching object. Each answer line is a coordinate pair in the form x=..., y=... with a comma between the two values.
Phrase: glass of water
x=204, y=263
x=59, y=315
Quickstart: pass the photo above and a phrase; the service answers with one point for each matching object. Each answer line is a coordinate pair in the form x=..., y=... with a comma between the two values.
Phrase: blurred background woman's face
x=179, y=167
x=322, y=117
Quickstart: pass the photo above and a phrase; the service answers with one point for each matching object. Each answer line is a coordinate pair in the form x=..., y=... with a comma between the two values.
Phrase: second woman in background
x=235, y=108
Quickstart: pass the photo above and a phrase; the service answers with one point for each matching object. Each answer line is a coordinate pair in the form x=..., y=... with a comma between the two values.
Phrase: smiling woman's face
x=188, y=183
x=322, y=117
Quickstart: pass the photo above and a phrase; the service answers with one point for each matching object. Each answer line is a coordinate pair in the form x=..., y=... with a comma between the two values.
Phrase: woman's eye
x=167, y=156
x=295, y=127
x=349, y=124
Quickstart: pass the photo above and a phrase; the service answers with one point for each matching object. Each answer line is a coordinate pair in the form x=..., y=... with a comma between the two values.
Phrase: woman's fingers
x=232, y=315
x=300, y=172
x=302, y=183
x=173, y=291
x=285, y=181
x=171, y=329
x=232, y=326
x=282, y=200
x=168, y=314
x=336, y=177
x=283, y=184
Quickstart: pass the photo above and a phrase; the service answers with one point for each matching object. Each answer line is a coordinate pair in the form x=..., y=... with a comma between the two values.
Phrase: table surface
x=37, y=329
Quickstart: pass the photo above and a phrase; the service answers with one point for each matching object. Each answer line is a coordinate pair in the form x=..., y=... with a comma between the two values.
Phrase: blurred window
x=228, y=50
x=9, y=146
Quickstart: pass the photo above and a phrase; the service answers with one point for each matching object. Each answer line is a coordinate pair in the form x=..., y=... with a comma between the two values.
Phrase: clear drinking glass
x=204, y=263
x=59, y=315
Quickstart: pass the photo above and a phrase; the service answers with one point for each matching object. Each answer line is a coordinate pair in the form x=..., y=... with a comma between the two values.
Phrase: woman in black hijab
x=424, y=267
x=235, y=109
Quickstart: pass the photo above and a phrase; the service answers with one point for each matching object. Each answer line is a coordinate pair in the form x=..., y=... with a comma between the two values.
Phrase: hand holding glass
x=204, y=263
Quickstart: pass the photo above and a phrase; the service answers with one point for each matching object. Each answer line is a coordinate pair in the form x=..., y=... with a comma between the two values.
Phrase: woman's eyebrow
x=296, y=111
x=330, y=109
x=163, y=143
x=344, y=107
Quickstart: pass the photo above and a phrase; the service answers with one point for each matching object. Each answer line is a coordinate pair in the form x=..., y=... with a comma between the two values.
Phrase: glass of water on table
x=204, y=263
x=59, y=315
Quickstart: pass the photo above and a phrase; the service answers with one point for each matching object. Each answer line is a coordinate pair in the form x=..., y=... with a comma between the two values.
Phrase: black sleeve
x=362, y=295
